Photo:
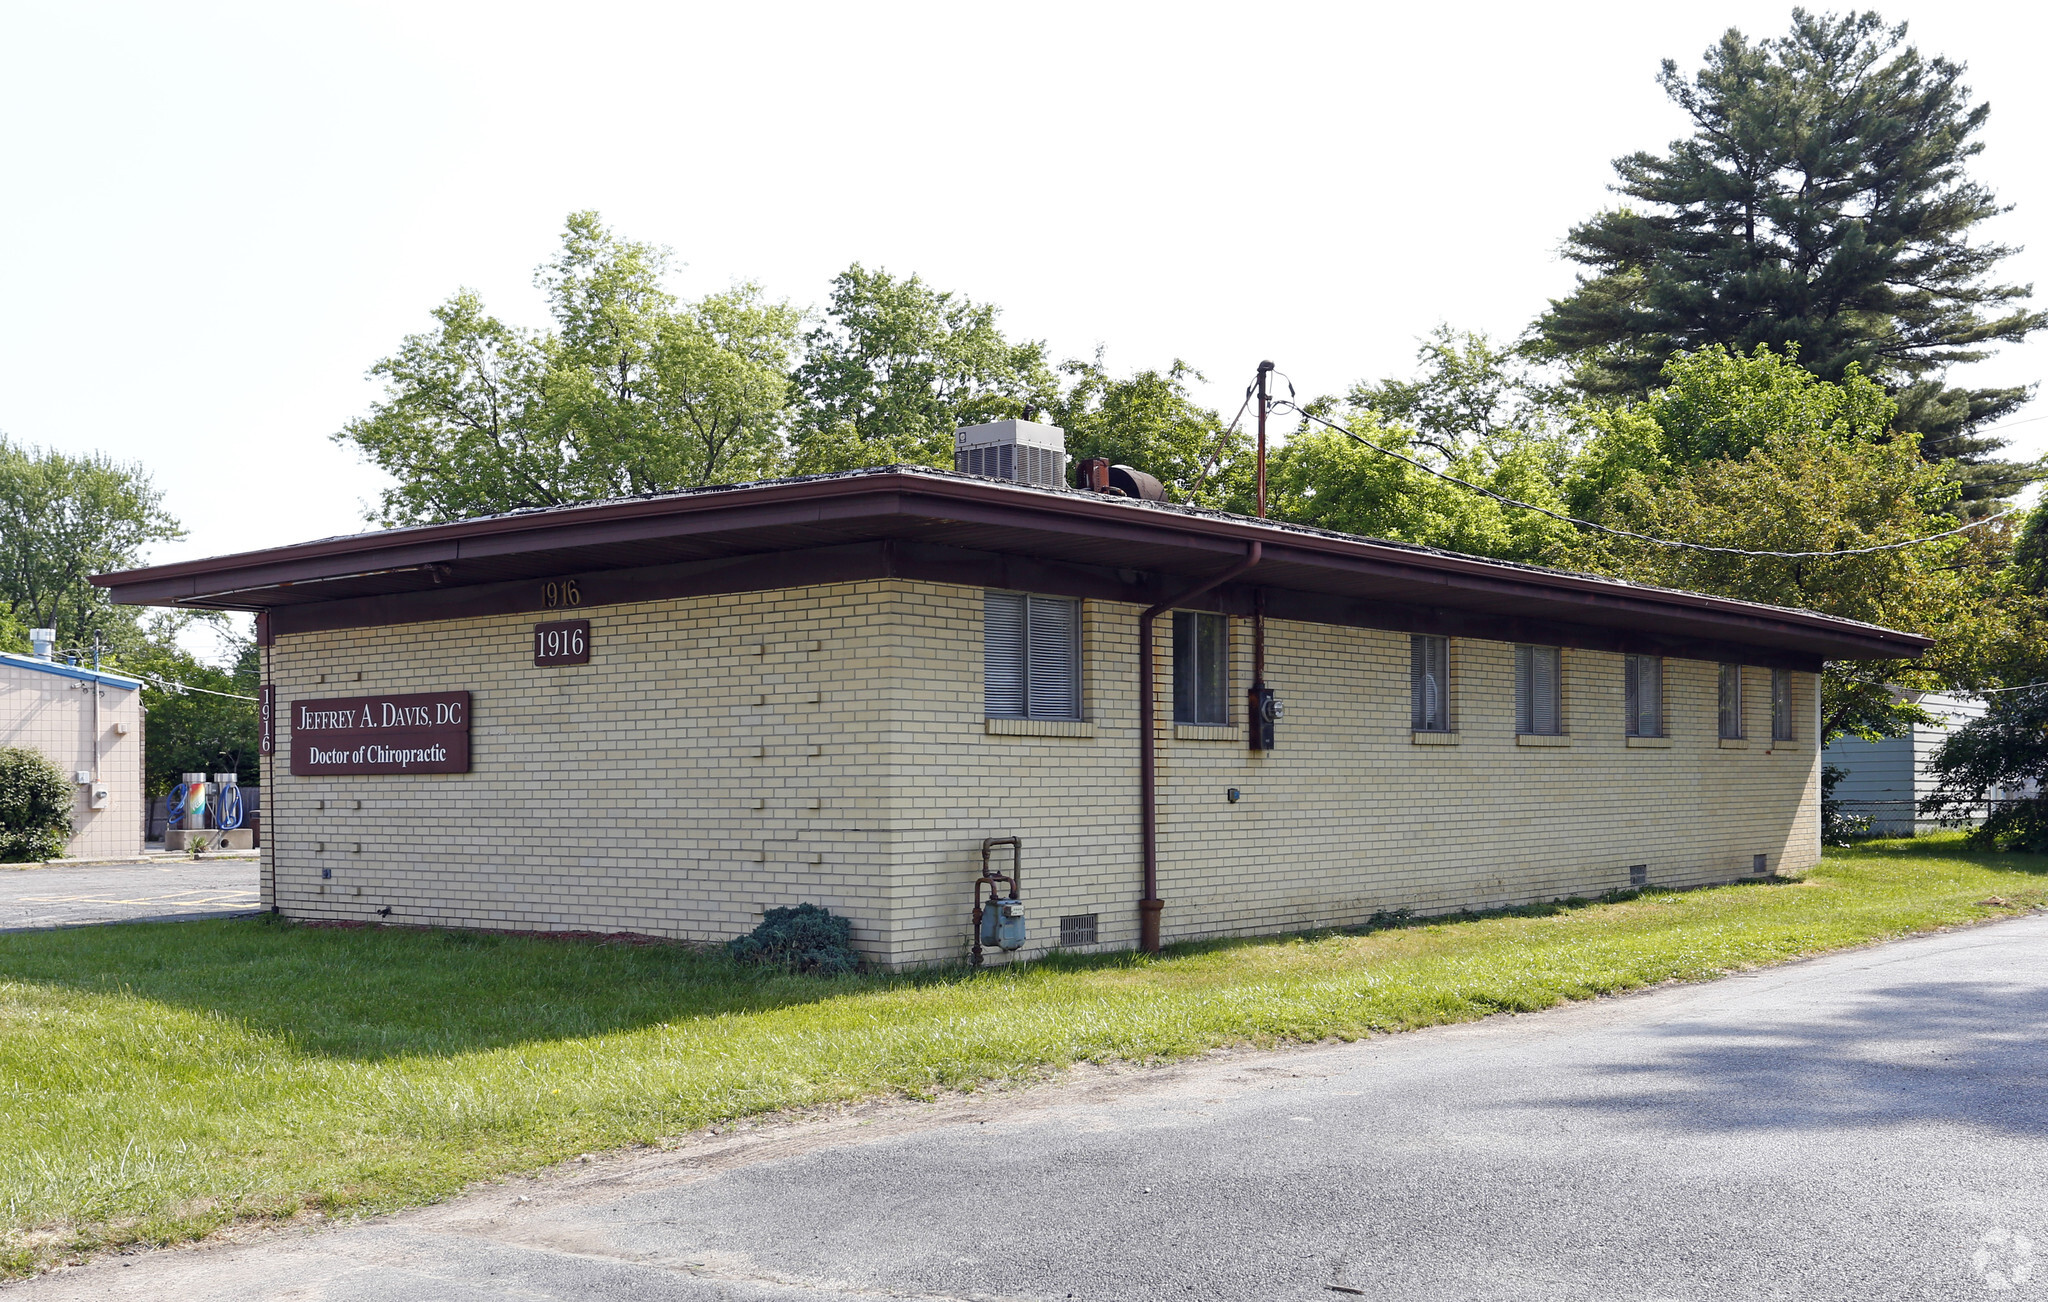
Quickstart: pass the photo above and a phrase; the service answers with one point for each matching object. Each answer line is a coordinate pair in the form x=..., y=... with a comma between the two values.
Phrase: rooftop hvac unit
x=1022, y=451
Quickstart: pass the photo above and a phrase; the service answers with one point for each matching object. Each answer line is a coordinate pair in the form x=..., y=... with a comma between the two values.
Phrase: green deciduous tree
x=1822, y=202
x=463, y=428
x=1472, y=411
x=63, y=519
x=1331, y=481
x=1148, y=420
x=632, y=391
x=897, y=367
x=1716, y=404
x=209, y=728
x=1468, y=394
x=1796, y=464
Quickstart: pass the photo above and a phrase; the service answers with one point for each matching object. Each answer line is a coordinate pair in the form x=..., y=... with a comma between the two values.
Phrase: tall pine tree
x=1821, y=204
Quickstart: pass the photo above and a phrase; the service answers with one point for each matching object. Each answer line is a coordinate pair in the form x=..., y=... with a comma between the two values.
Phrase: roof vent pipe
x=43, y=641
x=1096, y=475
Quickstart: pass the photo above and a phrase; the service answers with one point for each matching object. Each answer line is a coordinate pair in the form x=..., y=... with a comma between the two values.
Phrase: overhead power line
x=1993, y=429
x=181, y=688
x=1624, y=533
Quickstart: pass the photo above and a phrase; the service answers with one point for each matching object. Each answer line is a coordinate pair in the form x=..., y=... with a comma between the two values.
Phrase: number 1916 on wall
x=566, y=642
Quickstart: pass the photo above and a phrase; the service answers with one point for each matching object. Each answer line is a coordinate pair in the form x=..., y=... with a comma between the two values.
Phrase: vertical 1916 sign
x=565, y=642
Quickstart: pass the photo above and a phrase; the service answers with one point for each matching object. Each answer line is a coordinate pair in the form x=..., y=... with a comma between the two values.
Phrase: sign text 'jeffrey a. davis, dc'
x=427, y=732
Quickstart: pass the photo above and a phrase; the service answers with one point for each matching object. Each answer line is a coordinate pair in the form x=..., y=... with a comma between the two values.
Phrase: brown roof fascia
x=934, y=497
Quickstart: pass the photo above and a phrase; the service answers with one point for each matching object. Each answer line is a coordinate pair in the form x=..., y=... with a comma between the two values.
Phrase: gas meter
x=999, y=918
x=1265, y=711
x=1002, y=924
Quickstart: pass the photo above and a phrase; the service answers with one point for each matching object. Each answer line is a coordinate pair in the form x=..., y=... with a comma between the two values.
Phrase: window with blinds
x=1429, y=683
x=1031, y=656
x=1731, y=702
x=1537, y=696
x=1201, y=668
x=1781, y=705
x=1643, y=694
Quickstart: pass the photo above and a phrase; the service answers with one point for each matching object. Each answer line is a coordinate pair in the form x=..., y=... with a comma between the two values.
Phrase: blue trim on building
x=63, y=670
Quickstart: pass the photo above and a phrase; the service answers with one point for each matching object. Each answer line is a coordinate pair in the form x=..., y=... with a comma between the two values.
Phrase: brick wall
x=722, y=755
x=53, y=714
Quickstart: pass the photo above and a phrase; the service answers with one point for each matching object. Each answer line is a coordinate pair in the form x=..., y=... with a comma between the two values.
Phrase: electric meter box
x=1264, y=712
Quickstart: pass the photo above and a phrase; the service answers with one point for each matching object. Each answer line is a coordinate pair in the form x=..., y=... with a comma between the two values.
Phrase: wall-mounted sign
x=266, y=721
x=565, y=642
x=427, y=732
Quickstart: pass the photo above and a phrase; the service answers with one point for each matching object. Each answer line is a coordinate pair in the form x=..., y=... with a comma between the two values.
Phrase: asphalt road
x=1866, y=1126
x=169, y=889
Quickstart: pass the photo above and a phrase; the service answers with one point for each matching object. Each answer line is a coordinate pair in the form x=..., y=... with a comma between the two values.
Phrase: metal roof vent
x=1022, y=451
x=43, y=641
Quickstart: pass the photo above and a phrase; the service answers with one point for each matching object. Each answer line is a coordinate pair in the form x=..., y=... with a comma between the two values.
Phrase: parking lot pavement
x=165, y=889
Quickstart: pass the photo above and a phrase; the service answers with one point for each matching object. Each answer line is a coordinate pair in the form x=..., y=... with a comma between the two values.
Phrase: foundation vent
x=1077, y=929
x=1639, y=874
x=1760, y=864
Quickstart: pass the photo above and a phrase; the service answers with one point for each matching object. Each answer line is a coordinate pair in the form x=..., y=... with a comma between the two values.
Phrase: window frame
x=1632, y=694
x=1527, y=682
x=1029, y=642
x=1422, y=649
x=1728, y=702
x=1194, y=682
x=1784, y=703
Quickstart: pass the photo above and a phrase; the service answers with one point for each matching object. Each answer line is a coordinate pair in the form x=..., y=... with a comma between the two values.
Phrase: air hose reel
x=998, y=918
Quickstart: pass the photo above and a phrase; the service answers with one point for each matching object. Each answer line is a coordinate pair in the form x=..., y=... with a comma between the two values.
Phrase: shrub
x=806, y=939
x=35, y=807
x=2014, y=825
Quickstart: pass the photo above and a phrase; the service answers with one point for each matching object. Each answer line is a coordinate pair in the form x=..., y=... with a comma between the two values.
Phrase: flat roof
x=905, y=521
x=62, y=670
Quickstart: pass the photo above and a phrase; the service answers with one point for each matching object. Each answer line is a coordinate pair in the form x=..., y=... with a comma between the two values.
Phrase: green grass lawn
x=160, y=1080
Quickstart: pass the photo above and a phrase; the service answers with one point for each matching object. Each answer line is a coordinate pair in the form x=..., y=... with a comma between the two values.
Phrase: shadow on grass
x=1942, y=845
x=380, y=992
x=376, y=993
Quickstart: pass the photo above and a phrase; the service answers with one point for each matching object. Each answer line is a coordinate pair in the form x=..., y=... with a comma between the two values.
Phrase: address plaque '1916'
x=426, y=732
x=564, y=642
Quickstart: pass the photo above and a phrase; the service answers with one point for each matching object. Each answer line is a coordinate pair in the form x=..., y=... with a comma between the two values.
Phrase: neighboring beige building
x=668, y=714
x=89, y=724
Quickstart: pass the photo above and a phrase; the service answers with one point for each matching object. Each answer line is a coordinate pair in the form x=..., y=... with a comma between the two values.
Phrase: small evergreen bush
x=806, y=939
x=35, y=807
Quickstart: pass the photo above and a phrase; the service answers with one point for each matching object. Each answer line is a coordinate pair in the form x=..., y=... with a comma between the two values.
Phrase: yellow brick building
x=834, y=689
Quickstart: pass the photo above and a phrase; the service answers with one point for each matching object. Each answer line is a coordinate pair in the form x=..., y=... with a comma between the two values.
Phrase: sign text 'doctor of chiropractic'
x=427, y=732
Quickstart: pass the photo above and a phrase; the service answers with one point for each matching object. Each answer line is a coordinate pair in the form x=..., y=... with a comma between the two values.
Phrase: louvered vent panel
x=1018, y=462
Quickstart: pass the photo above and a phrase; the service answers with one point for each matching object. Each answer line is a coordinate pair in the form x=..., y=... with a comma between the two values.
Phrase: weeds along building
x=668, y=714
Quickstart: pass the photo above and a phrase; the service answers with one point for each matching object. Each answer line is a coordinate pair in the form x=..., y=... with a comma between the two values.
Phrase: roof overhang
x=910, y=523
